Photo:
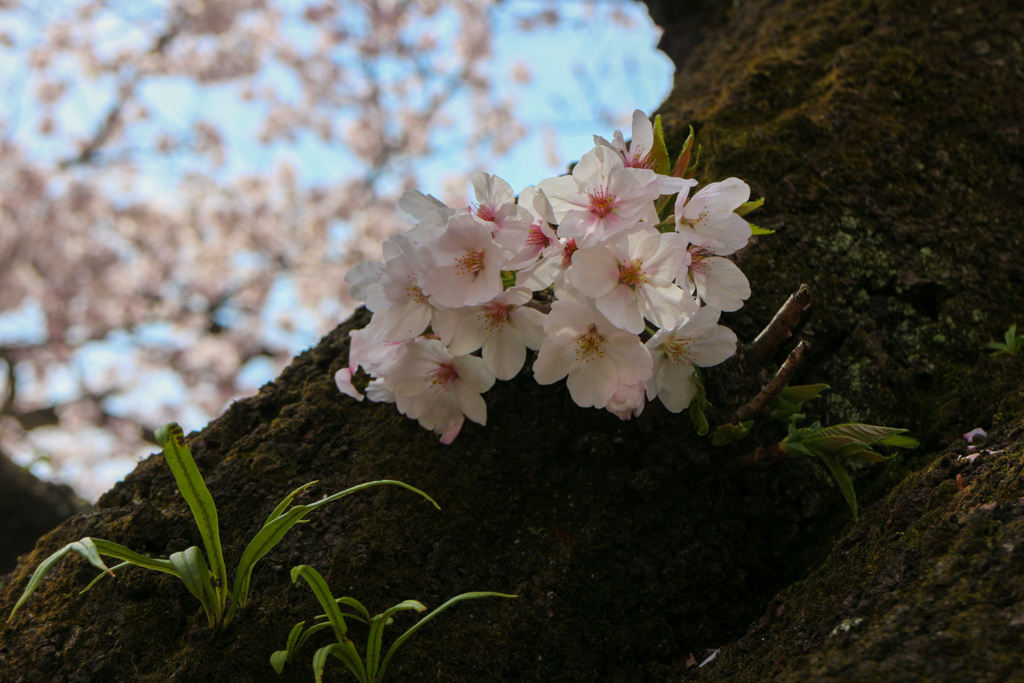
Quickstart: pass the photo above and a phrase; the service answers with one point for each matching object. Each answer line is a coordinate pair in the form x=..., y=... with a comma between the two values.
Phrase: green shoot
x=370, y=670
x=850, y=441
x=728, y=433
x=205, y=577
x=1010, y=346
x=787, y=405
x=699, y=405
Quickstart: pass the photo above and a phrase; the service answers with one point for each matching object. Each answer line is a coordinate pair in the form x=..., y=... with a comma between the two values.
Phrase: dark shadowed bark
x=886, y=138
x=29, y=507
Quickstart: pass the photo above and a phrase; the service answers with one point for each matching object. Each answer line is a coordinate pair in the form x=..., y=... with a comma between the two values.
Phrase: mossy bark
x=885, y=136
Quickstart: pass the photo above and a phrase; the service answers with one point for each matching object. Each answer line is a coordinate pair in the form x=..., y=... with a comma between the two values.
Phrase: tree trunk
x=29, y=507
x=886, y=138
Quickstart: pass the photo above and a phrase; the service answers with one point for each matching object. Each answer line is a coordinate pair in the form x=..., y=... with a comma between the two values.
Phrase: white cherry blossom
x=438, y=389
x=639, y=152
x=708, y=218
x=540, y=239
x=595, y=355
x=431, y=214
x=465, y=264
x=601, y=197
x=631, y=277
x=503, y=327
x=717, y=281
x=496, y=204
x=699, y=341
x=551, y=270
x=402, y=310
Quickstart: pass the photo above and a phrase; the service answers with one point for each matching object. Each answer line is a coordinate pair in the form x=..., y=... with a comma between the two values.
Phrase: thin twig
x=773, y=387
x=789, y=317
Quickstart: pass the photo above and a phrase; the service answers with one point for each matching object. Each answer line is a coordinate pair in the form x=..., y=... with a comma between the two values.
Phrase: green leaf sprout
x=850, y=441
x=699, y=405
x=728, y=433
x=1010, y=346
x=787, y=405
x=372, y=669
x=205, y=578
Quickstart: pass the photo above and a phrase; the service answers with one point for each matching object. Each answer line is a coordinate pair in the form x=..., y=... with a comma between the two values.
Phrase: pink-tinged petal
x=628, y=401
x=379, y=392
x=621, y=309
x=471, y=403
x=643, y=136
x=714, y=346
x=424, y=207
x=363, y=278
x=517, y=296
x=676, y=385
x=343, y=380
x=583, y=226
x=399, y=322
x=978, y=431
x=540, y=275
x=529, y=322
x=594, y=271
x=611, y=224
x=593, y=384
x=729, y=234
x=596, y=167
x=568, y=321
x=474, y=373
x=505, y=353
x=722, y=284
x=667, y=185
x=553, y=362
x=726, y=195
x=452, y=431
x=460, y=329
x=706, y=316
x=491, y=191
x=664, y=306
x=481, y=289
x=563, y=195
x=632, y=360
x=665, y=263
x=445, y=285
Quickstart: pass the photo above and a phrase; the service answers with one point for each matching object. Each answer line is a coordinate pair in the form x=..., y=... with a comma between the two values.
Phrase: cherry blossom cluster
x=635, y=300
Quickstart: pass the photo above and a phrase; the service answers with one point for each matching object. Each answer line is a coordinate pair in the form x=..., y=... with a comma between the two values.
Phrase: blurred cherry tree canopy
x=184, y=183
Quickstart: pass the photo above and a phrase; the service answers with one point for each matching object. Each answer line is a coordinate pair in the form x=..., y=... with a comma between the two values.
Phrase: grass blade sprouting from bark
x=458, y=598
x=197, y=495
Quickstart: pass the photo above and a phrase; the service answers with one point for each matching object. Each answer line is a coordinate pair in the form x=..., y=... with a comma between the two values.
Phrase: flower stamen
x=632, y=274
x=589, y=347
x=496, y=315
x=482, y=212
x=601, y=203
x=536, y=237
x=471, y=263
x=678, y=349
x=697, y=257
x=443, y=377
